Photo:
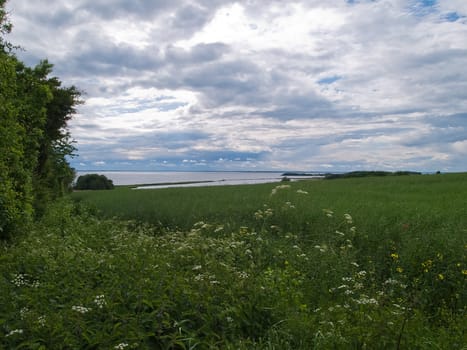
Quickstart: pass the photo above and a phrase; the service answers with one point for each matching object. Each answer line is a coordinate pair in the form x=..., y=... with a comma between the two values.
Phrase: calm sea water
x=166, y=179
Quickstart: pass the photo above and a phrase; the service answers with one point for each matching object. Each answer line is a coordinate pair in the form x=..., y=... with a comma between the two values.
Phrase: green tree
x=34, y=141
x=94, y=182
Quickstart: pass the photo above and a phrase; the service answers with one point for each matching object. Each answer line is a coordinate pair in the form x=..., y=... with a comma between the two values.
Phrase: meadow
x=359, y=263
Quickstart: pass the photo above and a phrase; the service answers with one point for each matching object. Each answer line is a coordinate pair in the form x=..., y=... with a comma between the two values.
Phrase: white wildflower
x=121, y=346
x=23, y=312
x=361, y=274
x=229, y=319
x=80, y=309
x=99, y=300
x=302, y=192
x=41, y=320
x=196, y=267
x=243, y=274
x=19, y=280
x=348, y=218
x=358, y=286
x=14, y=331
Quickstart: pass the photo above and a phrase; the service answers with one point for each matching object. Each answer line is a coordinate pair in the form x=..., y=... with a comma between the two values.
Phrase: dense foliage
x=34, y=143
x=94, y=182
x=286, y=275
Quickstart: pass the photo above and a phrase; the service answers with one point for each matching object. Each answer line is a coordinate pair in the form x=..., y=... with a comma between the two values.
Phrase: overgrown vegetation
x=292, y=274
x=34, y=143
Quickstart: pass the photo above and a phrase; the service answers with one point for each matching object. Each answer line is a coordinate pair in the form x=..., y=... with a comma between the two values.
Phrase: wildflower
x=427, y=265
x=361, y=274
x=348, y=218
x=395, y=256
x=14, y=331
x=243, y=229
x=364, y=300
x=229, y=319
x=302, y=192
x=280, y=187
x=99, y=300
x=23, y=312
x=440, y=276
x=41, y=320
x=19, y=280
x=399, y=269
x=219, y=228
x=329, y=213
x=464, y=272
x=121, y=346
x=243, y=275
x=358, y=285
x=197, y=267
x=80, y=309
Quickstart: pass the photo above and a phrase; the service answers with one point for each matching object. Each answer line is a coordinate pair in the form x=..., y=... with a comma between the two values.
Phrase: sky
x=255, y=85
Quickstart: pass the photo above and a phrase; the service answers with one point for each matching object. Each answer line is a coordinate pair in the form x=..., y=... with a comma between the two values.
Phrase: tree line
x=34, y=141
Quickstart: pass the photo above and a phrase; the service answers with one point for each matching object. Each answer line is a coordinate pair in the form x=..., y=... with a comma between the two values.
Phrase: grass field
x=367, y=263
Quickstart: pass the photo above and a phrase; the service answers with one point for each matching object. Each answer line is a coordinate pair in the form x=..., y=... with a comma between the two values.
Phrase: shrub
x=94, y=182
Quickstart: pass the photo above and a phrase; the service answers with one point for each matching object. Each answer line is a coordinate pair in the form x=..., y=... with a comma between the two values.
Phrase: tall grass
x=346, y=264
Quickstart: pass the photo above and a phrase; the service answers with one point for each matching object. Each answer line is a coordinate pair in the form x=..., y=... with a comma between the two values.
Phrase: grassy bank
x=347, y=264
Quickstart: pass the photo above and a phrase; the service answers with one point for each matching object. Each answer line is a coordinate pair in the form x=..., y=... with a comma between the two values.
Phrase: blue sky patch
x=329, y=80
x=452, y=16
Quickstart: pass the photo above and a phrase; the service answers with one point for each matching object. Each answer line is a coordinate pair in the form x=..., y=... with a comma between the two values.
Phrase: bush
x=94, y=182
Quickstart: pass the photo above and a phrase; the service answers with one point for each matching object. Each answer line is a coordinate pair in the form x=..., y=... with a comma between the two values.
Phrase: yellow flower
x=399, y=269
x=395, y=256
x=440, y=276
x=464, y=272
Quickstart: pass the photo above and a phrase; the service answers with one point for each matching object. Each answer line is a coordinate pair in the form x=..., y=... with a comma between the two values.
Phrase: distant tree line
x=34, y=141
x=369, y=173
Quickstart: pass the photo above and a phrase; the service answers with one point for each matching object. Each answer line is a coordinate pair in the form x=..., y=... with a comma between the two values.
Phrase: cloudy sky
x=258, y=84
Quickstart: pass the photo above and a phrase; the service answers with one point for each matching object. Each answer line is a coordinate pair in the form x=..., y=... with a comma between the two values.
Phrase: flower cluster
x=279, y=187
x=14, y=331
x=21, y=279
x=80, y=309
x=99, y=300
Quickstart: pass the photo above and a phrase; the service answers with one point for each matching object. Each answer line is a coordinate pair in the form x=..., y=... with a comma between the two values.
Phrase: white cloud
x=298, y=85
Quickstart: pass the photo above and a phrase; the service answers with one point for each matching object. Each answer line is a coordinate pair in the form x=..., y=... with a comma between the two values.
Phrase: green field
x=364, y=263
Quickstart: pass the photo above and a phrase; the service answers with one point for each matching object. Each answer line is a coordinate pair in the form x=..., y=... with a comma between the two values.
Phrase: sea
x=167, y=179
